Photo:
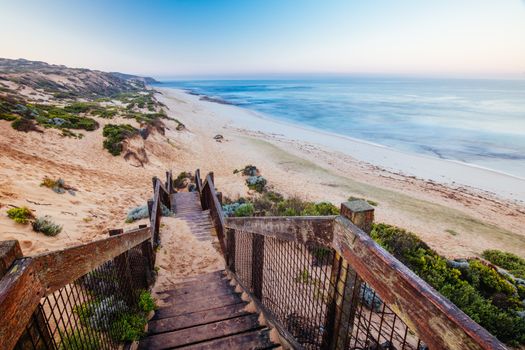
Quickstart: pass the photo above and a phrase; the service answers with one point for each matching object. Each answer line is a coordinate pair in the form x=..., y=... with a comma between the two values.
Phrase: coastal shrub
x=369, y=201
x=79, y=339
x=20, y=215
x=479, y=291
x=58, y=186
x=141, y=212
x=45, y=225
x=128, y=327
x=508, y=261
x=245, y=209
x=8, y=117
x=257, y=183
x=24, y=125
x=320, y=209
x=115, y=134
x=180, y=181
x=146, y=302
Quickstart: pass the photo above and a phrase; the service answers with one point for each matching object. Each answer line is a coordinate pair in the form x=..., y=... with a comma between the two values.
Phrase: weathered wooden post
x=346, y=283
x=38, y=329
x=257, y=265
x=230, y=246
x=149, y=256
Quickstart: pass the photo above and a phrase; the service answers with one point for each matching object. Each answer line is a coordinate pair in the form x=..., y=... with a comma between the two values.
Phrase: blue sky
x=252, y=38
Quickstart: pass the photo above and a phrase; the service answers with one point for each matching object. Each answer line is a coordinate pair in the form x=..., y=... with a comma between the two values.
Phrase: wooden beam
x=438, y=322
x=58, y=268
x=20, y=293
x=301, y=229
x=9, y=252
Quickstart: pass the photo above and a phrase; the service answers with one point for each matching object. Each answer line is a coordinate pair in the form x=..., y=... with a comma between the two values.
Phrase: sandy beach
x=455, y=219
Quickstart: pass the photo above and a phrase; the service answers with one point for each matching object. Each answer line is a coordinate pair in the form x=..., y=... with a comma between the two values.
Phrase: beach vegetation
x=45, y=225
x=244, y=209
x=369, y=201
x=115, y=134
x=20, y=215
x=58, y=186
x=79, y=339
x=183, y=179
x=508, y=261
x=257, y=183
x=146, y=302
x=128, y=327
x=479, y=290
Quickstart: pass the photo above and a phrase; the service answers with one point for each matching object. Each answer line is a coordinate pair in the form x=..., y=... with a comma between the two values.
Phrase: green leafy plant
x=146, y=302
x=80, y=339
x=479, y=291
x=245, y=209
x=115, y=134
x=20, y=215
x=45, y=225
x=511, y=262
x=128, y=327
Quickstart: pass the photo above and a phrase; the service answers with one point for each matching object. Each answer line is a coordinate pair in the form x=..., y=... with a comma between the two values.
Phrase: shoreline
x=448, y=172
x=454, y=219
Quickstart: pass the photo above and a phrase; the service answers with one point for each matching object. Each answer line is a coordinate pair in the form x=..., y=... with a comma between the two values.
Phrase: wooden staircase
x=205, y=312
x=188, y=208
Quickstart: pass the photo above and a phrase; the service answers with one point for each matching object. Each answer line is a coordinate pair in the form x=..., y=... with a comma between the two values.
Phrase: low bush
x=245, y=209
x=181, y=180
x=508, y=261
x=115, y=134
x=20, y=215
x=128, y=327
x=479, y=291
x=8, y=117
x=257, y=183
x=45, y=225
x=79, y=339
x=141, y=212
x=146, y=302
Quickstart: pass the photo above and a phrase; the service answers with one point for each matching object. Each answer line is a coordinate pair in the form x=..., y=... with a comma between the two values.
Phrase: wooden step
x=196, y=318
x=253, y=340
x=201, y=333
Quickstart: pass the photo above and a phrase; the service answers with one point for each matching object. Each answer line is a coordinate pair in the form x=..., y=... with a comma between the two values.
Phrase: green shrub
x=115, y=134
x=80, y=339
x=245, y=209
x=320, y=209
x=8, y=117
x=46, y=225
x=480, y=292
x=179, y=181
x=146, y=302
x=511, y=262
x=128, y=327
x=20, y=215
x=24, y=125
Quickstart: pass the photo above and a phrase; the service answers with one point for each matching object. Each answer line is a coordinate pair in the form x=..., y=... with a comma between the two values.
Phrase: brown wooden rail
x=31, y=278
x=24, y=281
x=438, y=322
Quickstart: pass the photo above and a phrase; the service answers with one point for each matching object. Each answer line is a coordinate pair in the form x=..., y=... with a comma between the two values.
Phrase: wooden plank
x=189, y=296
x=20, y=292
x=9, y=252
x=201, y=304
x=438, y=322
x=58, y=268
x=301, y=229
x=197, y=318
x=201, y=333
x=254, y=340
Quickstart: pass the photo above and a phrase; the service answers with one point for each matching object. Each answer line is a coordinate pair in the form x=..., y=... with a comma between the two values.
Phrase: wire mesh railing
x=94, y=311
x=299, y=285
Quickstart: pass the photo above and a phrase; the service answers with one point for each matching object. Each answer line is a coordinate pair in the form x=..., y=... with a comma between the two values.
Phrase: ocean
x=479, y=122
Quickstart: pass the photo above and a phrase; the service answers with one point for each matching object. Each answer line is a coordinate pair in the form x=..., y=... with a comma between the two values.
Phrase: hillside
x=93, y=138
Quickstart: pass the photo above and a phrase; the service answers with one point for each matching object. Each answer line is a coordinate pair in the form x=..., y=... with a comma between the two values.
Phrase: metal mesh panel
x=311, y=292
x=83, y=315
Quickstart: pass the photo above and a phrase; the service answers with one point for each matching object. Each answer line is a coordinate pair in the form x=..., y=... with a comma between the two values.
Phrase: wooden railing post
x=149, y=256
x=9, y=252
x=257, y=265
x=346, y=283
x=230, y=246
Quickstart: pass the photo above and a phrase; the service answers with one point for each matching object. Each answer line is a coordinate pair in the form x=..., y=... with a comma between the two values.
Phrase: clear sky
x=240, y=38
